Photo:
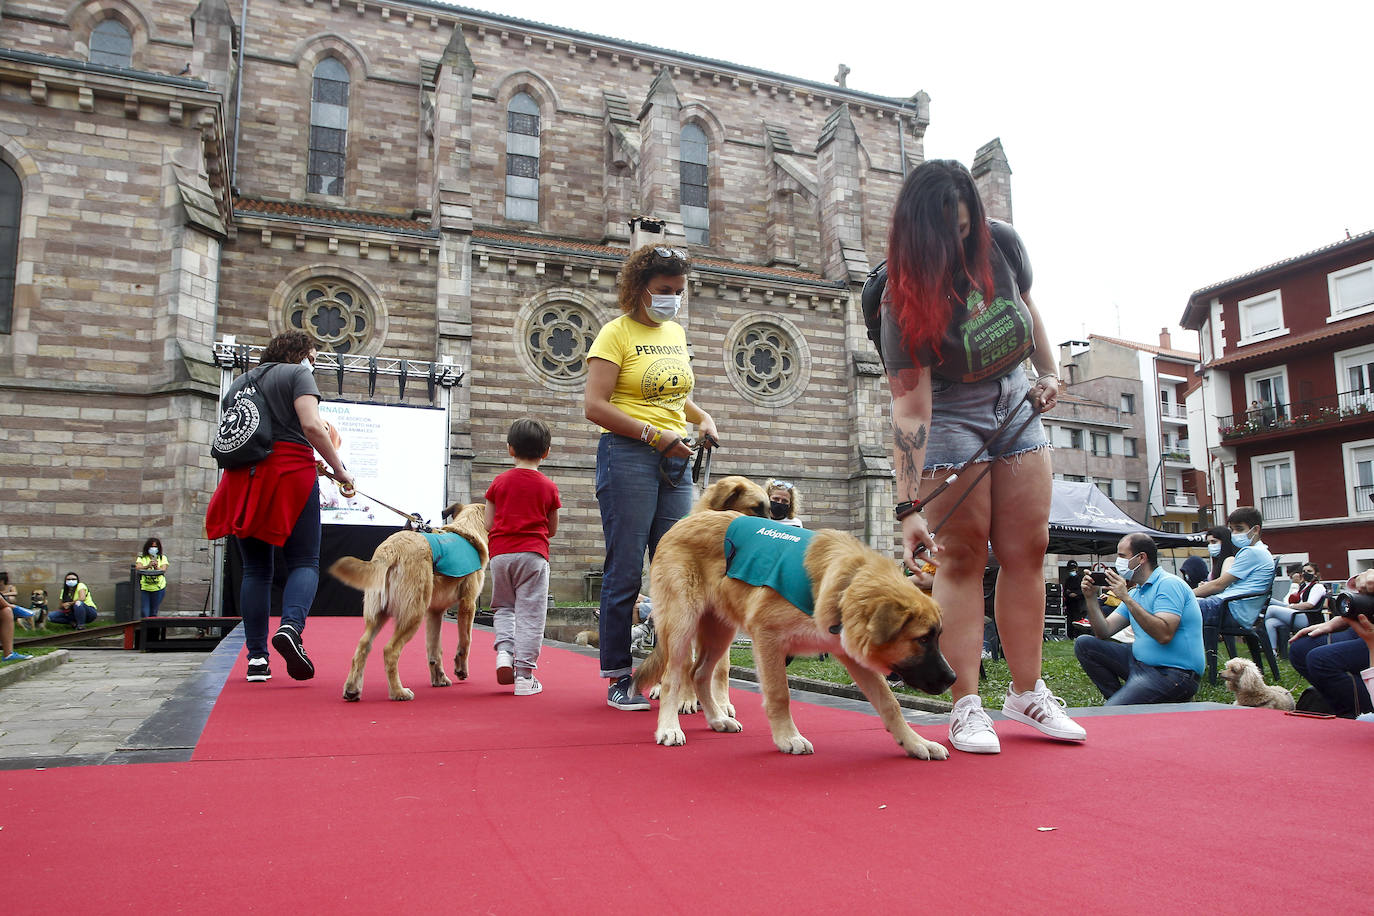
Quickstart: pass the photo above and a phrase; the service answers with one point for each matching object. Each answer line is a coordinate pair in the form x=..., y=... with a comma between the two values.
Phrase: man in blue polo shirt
x=1251, y=572
x=1164, y=662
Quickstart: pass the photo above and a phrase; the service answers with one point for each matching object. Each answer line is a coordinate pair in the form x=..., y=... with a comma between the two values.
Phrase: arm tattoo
x=907, y=447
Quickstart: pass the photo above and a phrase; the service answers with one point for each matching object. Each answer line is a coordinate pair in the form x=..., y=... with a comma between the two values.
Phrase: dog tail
x=650, y=672
x=364, y=575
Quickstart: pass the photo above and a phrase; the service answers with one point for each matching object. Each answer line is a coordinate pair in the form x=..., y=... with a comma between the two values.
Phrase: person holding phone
x=1164, y=663
x=1332, y=655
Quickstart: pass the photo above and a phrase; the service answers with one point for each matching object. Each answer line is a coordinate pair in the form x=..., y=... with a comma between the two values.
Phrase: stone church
x=435, y=191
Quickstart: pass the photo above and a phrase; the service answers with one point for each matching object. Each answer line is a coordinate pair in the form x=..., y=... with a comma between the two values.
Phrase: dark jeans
x=302, y=550
x=637, y=508
x=1332, y=664
x=1125, y=680
x=151, y=601
x=80, y=615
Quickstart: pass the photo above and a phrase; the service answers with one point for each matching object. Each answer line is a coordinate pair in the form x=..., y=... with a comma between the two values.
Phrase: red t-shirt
x=522, y=500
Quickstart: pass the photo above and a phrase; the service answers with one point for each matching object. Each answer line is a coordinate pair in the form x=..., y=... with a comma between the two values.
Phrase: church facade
x=422, y=183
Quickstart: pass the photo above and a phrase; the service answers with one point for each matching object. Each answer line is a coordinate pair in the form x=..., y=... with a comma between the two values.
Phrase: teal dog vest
x=453, y=554
x=763, y=552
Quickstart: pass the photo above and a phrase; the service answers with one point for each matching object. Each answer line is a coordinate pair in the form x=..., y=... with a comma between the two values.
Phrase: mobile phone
x=1099, y=577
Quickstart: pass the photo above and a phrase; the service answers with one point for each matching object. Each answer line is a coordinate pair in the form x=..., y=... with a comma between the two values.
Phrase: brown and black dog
x=400, y=582
x=867, y=614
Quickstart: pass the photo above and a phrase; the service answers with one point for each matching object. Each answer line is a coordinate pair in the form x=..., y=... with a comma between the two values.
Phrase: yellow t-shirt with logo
x=655, y=375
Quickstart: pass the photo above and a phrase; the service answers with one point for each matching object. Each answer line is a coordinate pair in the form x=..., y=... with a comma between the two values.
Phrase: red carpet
x=472, y=799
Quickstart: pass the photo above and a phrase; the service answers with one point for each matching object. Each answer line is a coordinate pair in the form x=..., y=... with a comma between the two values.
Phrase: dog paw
x=437, y=678
x=405, y=694
x=688, y=707
x=460, y=672
x=726, y=724
x=352, y=696
x=654, y=691
x=670, y=737
x=796, y=744
x=922, y=749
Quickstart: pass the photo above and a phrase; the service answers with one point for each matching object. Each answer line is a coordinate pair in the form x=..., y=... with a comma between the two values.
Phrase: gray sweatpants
x=519, y=606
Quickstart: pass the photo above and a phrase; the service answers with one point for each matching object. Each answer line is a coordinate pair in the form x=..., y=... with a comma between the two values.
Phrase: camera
x=1099, y=577
x=1353, y=604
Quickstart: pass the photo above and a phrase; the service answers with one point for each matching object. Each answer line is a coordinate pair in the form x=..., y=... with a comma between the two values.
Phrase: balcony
x=1325, y=411
x=1175, y=499
x=1364, y=498
x=1175, y=412
x=1277, y=508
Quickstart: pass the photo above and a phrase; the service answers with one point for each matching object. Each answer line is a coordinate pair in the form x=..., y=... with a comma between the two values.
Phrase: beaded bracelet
x=646, y=432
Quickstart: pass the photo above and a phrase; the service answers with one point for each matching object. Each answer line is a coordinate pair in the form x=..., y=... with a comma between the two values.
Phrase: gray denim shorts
x=963, y=416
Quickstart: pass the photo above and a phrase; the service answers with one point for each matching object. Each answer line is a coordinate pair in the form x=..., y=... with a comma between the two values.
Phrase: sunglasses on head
x=781, y=485
x=670, y=253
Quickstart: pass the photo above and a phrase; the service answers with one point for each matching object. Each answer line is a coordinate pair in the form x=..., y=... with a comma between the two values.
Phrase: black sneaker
x=258, y=670
x=287, y=642
x=620, y=695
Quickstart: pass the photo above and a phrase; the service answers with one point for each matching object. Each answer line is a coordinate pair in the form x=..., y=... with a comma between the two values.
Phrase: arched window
x=522, y=159
x=11, y=198
x=328, y=128
x=696, y=206
x=111, y=44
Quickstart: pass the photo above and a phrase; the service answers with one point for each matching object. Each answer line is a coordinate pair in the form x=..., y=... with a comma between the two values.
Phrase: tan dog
x=38, y=603
x=400, y=582
x=867, y=614
x=1247, y=683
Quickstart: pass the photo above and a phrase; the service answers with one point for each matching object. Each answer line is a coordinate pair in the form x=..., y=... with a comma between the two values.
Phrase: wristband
x=653, y=443
x=646, y=432
x=904, y=508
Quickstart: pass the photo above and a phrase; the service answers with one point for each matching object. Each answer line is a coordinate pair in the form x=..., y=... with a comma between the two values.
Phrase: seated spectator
x=76, y=606
x=1071, y=583
x=1220, y=549
x=7, y=653
x=10, y=594
x=783, y=502
x=1332, y=657
x=1251, y=572
x=1307, y=594
x=1193, y=571
x=1164, y=663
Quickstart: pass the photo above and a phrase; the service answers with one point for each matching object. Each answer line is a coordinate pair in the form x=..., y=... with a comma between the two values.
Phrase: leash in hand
x=348, y=492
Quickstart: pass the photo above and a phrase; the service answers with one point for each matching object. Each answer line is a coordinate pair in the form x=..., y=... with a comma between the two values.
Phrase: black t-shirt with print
x=982, y=341
x=281, y=384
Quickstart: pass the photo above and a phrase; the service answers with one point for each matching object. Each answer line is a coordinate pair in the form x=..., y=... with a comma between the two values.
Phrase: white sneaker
x=1044, y=711
x=505, y=668
x=970, y=729
x=527, y=686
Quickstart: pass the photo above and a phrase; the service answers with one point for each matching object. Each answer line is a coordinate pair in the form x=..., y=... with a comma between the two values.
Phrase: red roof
x=328, y=215
x=1254, y=351
x=1181, y=355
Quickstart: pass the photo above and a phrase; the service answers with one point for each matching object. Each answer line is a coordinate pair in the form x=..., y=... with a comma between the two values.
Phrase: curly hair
x=926, y=261
x=288, y=347
x=151, y=542
x=793, y=497
x=641, y=267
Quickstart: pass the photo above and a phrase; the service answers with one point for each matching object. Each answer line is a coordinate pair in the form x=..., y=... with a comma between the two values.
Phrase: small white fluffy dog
x=1247, y=683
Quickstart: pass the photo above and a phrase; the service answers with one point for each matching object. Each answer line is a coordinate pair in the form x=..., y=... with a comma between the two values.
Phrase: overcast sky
x=1155, y=149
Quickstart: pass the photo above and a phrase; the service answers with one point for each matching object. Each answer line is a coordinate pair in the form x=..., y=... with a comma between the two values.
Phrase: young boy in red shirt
x=521, y=516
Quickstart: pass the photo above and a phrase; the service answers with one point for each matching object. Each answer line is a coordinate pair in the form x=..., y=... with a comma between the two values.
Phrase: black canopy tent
x=1084, y=521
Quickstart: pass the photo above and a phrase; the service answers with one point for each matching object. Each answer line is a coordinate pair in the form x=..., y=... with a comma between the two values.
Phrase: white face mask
x=152, y=551
x=71, y=583
x=664, y=308
x=308, y=364
x=1214, y=549
x=1123, y=568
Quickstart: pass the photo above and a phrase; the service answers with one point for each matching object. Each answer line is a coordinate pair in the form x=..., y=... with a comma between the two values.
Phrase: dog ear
x=885, y=623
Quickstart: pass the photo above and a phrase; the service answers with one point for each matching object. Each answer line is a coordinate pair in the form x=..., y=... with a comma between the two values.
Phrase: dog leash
x=420, y=524
x=983, y=472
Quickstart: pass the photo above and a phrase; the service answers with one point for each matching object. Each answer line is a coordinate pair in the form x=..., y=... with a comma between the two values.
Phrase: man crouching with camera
x=1337, y=656
x=1165, y=661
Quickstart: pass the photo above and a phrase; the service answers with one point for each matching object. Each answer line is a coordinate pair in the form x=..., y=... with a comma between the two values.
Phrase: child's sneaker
x=1043, y=711
x=505, y=668
x=527, y=686
x=259, y=670
x=621, y=695
x=16, y=657
x=970, y=729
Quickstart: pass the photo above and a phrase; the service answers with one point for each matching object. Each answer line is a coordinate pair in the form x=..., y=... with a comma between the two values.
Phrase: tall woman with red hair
x=958, y=324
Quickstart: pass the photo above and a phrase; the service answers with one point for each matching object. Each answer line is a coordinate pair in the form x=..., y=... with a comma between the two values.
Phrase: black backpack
x=245, y=428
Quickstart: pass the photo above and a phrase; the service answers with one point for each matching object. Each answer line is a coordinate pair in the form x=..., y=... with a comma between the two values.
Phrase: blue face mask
x=1214, y=549
x=1240, y=540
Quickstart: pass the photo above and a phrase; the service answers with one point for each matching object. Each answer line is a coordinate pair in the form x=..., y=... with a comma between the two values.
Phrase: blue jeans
x=302, y=550
x=637, y=507
x=1333, y=664
x=80, y=615
x=1109, y=663
x=151, y=602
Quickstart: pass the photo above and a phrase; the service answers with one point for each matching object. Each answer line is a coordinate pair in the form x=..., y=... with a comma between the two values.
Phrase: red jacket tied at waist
x=263, y=501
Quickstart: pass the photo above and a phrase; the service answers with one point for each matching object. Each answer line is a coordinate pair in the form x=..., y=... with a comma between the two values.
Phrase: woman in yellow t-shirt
x=639, y=387
x=152, y=566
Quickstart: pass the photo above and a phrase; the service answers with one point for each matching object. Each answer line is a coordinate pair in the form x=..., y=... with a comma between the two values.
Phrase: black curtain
x=333, y=598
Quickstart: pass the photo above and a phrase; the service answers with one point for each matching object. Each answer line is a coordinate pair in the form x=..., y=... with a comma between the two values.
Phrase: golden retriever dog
x=866, y=613
x=1247, y=683
x=400, y=583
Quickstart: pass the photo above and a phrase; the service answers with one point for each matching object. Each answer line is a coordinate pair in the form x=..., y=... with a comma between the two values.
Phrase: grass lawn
x=1062, y=674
